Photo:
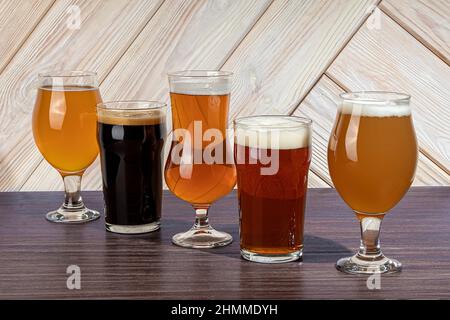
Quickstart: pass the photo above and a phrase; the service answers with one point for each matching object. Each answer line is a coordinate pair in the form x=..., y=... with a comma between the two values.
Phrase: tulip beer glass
x=372, y=157
x=64, y=129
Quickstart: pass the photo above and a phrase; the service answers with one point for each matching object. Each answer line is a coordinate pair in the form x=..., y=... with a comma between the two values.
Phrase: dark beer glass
x=131, y=138
x=272, y=156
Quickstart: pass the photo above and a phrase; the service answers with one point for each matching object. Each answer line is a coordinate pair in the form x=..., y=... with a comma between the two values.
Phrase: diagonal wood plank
x=320, y=105
x=389, y=58
x=426, y=20
x=182, y=35
x=107, y=29
x=314, y=181
x=288, y=50
x=17, y=20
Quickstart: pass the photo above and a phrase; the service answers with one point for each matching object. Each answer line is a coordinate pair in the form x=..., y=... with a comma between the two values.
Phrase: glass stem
x=370, y=238
x=72, y=188
x=201, y=218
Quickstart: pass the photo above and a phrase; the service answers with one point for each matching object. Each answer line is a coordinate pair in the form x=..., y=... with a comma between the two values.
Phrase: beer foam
x=375, y=109
x=217, y=87
x=273, y=132
x=129, y=118
x=67, y=88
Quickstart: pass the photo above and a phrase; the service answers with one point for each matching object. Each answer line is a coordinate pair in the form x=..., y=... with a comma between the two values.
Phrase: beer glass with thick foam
x=131, y=138
x=372, y=158
x=272, y=157
x=64, y=129
x=199, y=167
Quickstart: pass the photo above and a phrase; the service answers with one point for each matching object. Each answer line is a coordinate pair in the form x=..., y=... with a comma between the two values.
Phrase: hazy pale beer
x=197, y=169
x=64, y=126
x=272, y=202
x=64, y=129
x=372, y=158
x=131, y=138
x=372, y=155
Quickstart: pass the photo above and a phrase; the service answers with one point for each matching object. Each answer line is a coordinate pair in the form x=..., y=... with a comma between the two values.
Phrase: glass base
x=202, y=238
x=271, y=258
x=72, y=216
x=359, y=264
x=136, y=229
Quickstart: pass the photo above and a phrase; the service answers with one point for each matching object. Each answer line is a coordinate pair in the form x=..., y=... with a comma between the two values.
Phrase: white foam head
x=375, y=104
x=273, y=132
x=200, y=82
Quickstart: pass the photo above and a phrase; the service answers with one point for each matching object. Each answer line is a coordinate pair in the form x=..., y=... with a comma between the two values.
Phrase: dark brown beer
x=131, y=160
x=272, y=206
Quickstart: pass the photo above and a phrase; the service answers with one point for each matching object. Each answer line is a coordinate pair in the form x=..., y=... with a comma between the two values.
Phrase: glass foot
x=359, y=264
x=271, y=258
x=72, y=216
x=133, y=229
x=202, y=238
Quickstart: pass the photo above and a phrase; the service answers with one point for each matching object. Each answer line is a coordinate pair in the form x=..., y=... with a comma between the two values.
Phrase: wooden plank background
x=288, y=56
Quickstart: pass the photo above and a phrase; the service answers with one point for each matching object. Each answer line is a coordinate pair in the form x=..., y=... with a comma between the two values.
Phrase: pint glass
x=272, y=156
x=131, y=137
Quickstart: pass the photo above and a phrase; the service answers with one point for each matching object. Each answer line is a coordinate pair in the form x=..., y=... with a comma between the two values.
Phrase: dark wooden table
x=34, y=253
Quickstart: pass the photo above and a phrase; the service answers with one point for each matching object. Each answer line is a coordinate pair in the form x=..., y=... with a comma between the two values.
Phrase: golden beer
x=372, y=158
x=64, y=126
x=64, y=129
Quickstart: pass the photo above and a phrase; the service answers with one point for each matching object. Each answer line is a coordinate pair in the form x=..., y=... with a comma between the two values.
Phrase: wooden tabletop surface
x=34, y=253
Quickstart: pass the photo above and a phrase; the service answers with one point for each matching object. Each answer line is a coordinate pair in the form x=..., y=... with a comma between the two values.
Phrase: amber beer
x=197, y=168
x=272, y=204
x=64, y=126
x=204, y=183
x=372, y=156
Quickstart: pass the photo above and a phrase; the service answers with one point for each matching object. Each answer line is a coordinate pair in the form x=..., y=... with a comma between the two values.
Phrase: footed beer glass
x=372, y=157
x=64, y=129
x=200, y=168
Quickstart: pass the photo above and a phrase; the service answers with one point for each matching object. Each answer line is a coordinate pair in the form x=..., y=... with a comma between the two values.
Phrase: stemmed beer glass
x=64, y=129
x=372, y=158
x=200, y=168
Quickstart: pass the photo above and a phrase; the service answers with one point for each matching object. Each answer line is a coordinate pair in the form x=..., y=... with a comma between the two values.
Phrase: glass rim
x=298, y=122
x=67, y=74
x=140, y=105
x=375, y=96
x=198, y=74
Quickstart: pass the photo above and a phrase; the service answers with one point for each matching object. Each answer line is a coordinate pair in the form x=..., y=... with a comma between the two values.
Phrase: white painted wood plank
x=182, y=35
x=288, y=50
x=106, y=31
x=427, y=20
x=17, y=20
x=320, y=105
x=389, y=58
